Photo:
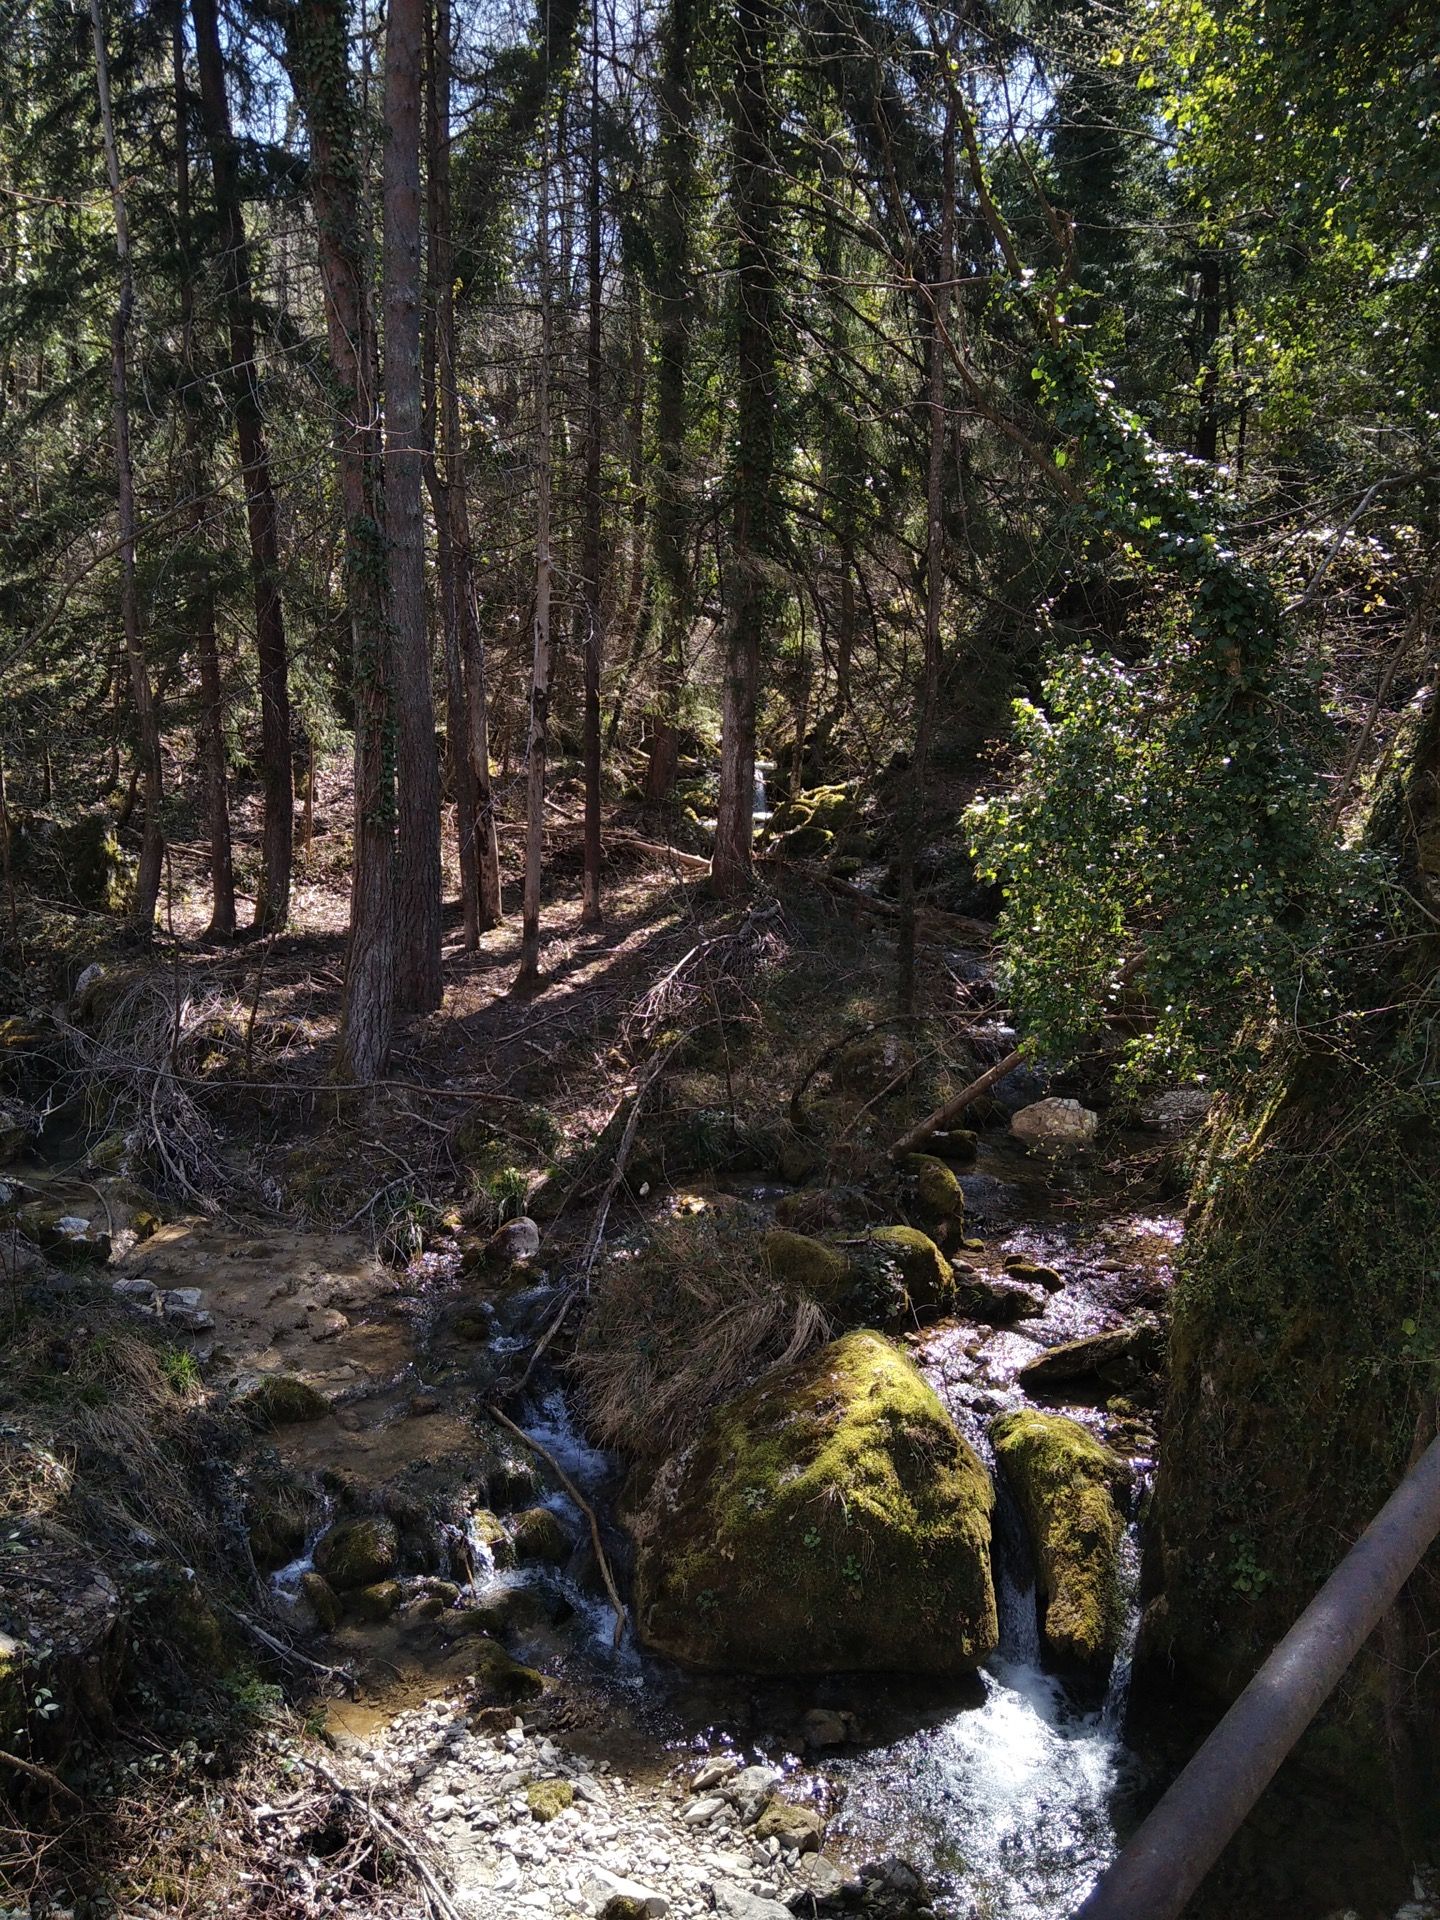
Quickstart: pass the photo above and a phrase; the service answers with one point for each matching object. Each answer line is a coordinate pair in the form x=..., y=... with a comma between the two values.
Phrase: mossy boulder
x=538, y=1535
x=278, y=1521
x=807, y=1265
x=874, y=1064
x=548, y=1799
x=324, y=1602
x=929, y=1281
x=798, y=1829
x=282, y=1400
x=1066, y=1482
x=378, y=1601
x=831, y=1519
x=358, y=1553
x=496, y=1673
x=488, y=1530
x=939, y=1197
x=960, y=1144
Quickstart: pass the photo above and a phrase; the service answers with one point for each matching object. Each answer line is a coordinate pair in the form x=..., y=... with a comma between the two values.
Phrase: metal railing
x=1172, y=1851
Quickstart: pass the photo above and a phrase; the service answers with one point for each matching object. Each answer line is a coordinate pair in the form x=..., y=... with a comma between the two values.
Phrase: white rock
x=700, y=1812
x=714, y=1771
x=1055, y=1126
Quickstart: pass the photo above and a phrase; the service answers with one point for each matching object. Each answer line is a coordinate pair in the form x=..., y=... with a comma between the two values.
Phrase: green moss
x=490, y=1529
x=807, y=1265
x=378, y=1601
x=830, y=1519
x=548, y=1799
x=281, y=1400
x=323, y=1602
x=924, y=1269
x=1304, y=1349
x=538, y=1535
x=939, y=1197
x=357, y=1553
x=1065, y=1481
x=497, y=1674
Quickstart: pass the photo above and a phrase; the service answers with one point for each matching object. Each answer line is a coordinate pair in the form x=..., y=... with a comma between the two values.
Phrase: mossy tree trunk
x=1305, y=1349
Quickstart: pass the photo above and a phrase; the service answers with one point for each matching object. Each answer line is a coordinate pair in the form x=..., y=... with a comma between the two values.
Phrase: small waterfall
x=1014, y=1580
x=285, y=1581
x=760, y=802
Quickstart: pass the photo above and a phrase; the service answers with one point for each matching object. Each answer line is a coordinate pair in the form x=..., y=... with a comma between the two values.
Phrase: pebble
x=680, y=1847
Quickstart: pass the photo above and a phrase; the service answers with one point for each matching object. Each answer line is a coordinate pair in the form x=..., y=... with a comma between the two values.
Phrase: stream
x=1005, y=1792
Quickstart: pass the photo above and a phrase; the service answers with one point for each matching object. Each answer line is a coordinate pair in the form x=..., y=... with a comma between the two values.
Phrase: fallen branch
x=942, y=1116
x=436, y=1900
x=621, y=1617
x=959, y=925
x=43, y=1774
x=798, y=1118
x=278, y=1646
x=687, y=862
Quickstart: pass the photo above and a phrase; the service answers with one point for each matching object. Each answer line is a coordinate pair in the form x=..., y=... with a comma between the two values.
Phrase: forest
x=719, y=959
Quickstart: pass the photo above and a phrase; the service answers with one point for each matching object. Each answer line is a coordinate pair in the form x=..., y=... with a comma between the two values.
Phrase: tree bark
x=592, y=599
x=213, y=768
x=418, y=984
x=439, y=294
x=674, y=312
x=939, y=305
x=152, y=846
x=753, y=460
x=272, y=901
x=475, y=733
x=529, y=972
x=318, y=59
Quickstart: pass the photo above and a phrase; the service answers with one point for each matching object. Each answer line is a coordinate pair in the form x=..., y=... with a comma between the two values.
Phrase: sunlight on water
x=1007, y=1805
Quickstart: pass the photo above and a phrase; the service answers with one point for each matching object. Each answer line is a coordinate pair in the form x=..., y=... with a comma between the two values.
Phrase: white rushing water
x=1009, y=1805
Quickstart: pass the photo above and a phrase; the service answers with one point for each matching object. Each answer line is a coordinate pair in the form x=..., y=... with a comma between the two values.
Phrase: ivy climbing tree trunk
x=417, y=956
x=755, y=503
x=152, y=846
x=214, y=770
x=272, y=900
x=318, y=59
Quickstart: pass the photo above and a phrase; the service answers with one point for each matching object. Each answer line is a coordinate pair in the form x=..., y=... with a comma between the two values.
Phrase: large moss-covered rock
x=831, y=1519
x=358, y=1553
x=927, y=1274
x=1066, y=1483
x=808, y=1265
x=939, y=1197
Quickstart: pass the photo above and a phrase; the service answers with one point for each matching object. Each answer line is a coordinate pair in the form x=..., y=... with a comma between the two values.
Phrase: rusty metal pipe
x=1172, y=1851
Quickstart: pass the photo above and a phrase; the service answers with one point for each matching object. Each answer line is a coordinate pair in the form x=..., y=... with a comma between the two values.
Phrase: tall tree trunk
x=592, y=599
x=438, y=284
x=939, y=308
x=529, y=972
x=473, y=735
x=272, y=901
x=674, y=310
x=418, y=984
x=213, y=768
x=317, y=53
x=152, y=846
x=753, y=459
